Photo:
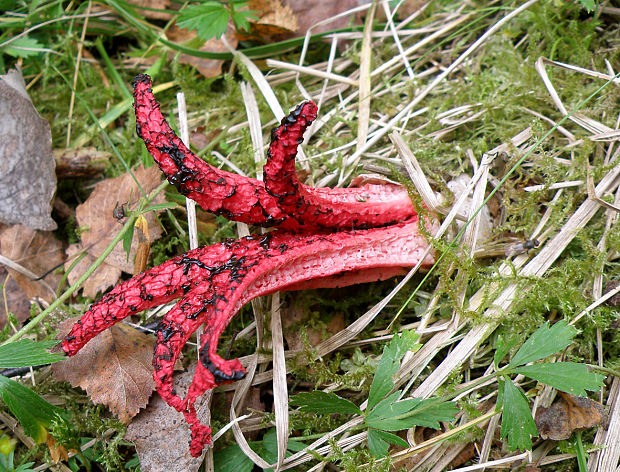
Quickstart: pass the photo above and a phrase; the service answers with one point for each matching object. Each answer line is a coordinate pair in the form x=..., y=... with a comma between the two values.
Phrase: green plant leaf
x=502, y=348
x=588, y=5
x=269, y=447
x=379, y=442
x=23, y=47
x=34, y=413
x=569, y=377
x=517, y=423
x=393, y=415
x=241, y=19
x=544, y=342
x=382, y=382
x=128, y=239
x=209, y=19
x=26, y=353
x=232, y=459
x=324, y=403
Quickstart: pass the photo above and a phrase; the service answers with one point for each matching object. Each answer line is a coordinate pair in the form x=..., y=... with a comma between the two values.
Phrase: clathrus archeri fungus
x=324, y=238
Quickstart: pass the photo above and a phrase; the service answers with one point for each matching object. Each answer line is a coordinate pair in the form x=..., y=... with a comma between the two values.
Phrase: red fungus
x=214, y=282
x=285, y=202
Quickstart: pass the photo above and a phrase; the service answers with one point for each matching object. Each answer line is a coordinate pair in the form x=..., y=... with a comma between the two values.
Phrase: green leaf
x=517, y=422
x=241, y=19
x=392, y=415
x=502, y=348
x=588, y=5
x=378, y=442
x=324, y=403
x=127, y=240
x=569, y=377
x=23, y=47
x=26, y=353
x=34, y=413
x=544, y=342
x=269, y=447
x=209, y=19
x=382, y=382
x=232, y=459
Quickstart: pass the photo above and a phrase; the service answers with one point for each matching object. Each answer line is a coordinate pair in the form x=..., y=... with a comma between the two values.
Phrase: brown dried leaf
x=276, y=22
x=27, y=178
x=207, y=67
x=567, y=414
x=12, y=299
x=157, y=4
x=104, y=276
x=37, y=251
x=97, y=215
x=162, y=436
x=115, y=368
x=311, y=12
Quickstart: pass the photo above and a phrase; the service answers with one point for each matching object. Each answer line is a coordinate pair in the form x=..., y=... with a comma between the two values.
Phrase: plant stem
x=581, y=453
x=56, y=303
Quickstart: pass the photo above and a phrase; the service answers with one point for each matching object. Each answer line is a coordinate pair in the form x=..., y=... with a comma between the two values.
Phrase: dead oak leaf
x=27, y=178
x=104, y=276
x=37, y=251
x=115, y=368
x=567, y=414
x=96, y=215
x=161, y=435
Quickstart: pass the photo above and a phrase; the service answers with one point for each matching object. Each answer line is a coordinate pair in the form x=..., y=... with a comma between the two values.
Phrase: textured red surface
x=282, y=201
x=214, y=282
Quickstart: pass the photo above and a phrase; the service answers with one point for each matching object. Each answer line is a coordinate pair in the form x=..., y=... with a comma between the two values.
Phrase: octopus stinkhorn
x=324, y=238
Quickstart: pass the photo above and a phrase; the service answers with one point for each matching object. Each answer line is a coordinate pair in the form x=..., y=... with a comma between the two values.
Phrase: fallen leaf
x=12, y=299
x=104, y=276
x=207, y=67
x=311, y=12
x=96, y=216
x=276, y=22
x=27, y=177
x=162, y=436
x=115, y=368
x=155, y=4
x=567, y=414
x=37, y=251
x=57, y=451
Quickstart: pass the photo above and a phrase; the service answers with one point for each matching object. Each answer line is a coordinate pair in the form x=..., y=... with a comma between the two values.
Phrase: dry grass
x=449, y=93
x=351, y=97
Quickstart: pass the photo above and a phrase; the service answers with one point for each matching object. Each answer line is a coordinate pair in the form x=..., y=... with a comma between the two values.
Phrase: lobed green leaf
x=209, y=19
x=517, y=423
x=393, y=415
x=379, y=442
x=393, y=353
x=324, y=403
x=544, y=342
x=569, y=377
